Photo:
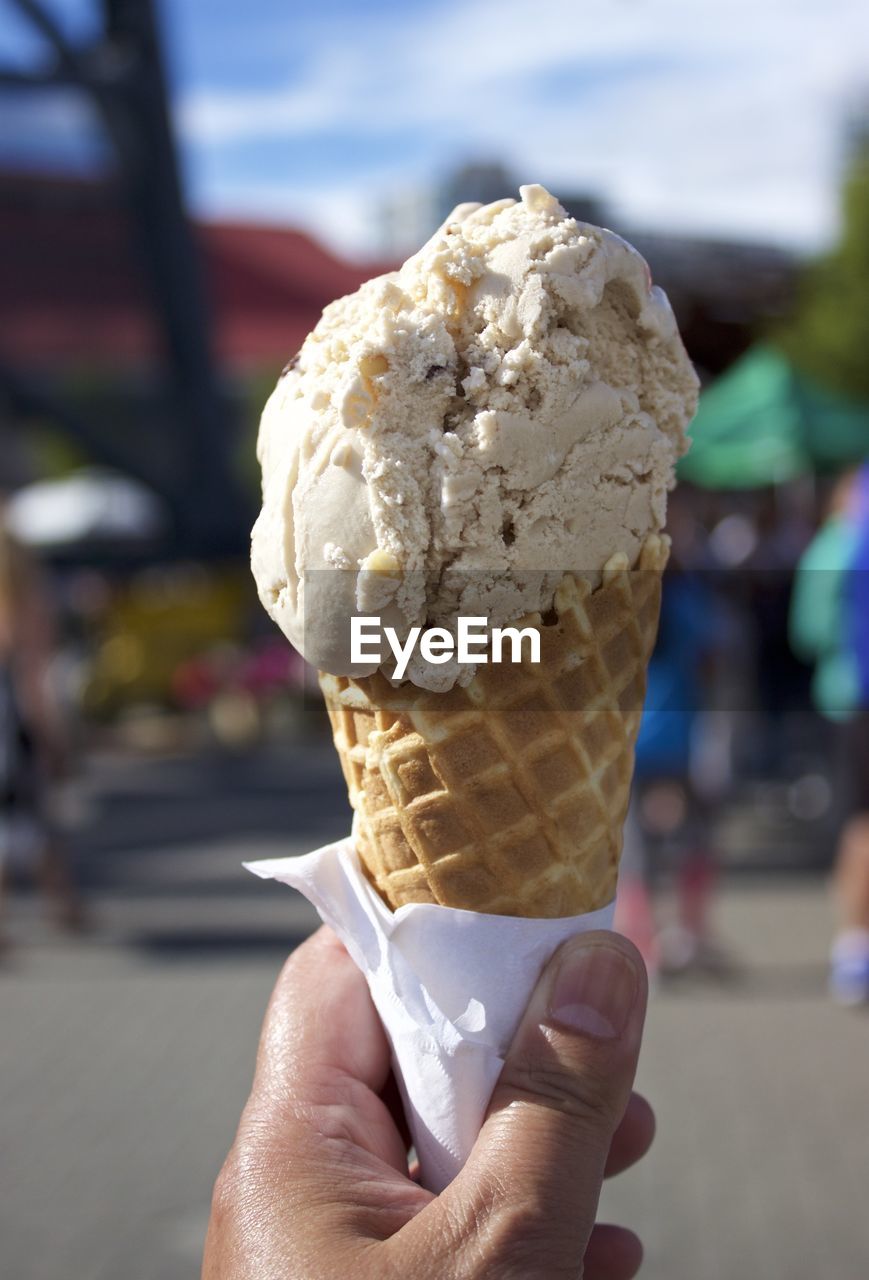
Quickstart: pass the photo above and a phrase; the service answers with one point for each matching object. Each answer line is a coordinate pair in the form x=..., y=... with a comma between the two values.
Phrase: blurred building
x=84, y=348
x=482, y=181
x=89, y=353
x=170, y=424
x=409, y=217
x=723, y=292
x=74, y=293
x=404, y=220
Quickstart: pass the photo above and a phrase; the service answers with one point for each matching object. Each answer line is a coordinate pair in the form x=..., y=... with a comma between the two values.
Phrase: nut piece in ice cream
x=508, y=406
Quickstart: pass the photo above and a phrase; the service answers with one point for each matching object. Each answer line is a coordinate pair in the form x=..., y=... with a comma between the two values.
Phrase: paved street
x=125, y=1056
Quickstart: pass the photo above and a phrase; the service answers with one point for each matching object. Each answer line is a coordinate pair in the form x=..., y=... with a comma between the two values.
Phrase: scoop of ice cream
x=456, y=435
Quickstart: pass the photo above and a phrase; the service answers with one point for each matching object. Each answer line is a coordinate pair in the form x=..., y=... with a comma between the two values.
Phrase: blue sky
x=686, y=115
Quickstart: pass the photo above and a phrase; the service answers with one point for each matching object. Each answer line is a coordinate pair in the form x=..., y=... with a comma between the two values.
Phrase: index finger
x=320, y=1026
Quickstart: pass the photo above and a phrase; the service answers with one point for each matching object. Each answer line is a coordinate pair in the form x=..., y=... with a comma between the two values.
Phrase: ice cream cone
x=508, y=796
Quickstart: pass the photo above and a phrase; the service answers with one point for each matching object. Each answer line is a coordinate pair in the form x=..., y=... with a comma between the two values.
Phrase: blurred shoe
x=849, y=968
x=684, y=951
x=71, y=917
x=677, y=948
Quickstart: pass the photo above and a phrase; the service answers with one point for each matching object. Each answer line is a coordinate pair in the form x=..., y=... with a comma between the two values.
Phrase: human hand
x=316, y=1184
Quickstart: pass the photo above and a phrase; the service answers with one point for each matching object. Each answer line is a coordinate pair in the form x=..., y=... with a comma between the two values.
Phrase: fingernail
x=594, y=992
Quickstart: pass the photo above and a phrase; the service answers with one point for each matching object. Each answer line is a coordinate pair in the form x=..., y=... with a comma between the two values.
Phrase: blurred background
x=183, y=187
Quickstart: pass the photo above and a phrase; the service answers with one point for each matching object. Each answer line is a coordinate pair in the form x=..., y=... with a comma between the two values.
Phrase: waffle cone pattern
x=508, y=796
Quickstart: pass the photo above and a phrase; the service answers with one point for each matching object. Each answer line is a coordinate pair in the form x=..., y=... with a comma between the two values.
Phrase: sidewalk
x=761, y=1162
x=125, y=1057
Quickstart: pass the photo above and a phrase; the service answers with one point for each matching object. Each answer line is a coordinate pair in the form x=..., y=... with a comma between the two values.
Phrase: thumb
x=534, y=1177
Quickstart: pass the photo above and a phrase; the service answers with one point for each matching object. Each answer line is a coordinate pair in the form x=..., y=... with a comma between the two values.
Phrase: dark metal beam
x=171, y=257
x=41, y=78
x=123, y=72
x=45, y=24
x=89, y=69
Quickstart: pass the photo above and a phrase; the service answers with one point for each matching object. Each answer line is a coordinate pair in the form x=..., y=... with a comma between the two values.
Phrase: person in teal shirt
x=818, y=629
x=826, y=619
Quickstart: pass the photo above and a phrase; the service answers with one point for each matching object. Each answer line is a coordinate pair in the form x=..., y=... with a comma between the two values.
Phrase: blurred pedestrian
x=32, y=750
x=830, y=625
x=782, y=678
x=669, y=819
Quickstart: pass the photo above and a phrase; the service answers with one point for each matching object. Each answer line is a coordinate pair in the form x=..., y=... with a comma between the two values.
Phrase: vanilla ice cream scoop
x=455, y=436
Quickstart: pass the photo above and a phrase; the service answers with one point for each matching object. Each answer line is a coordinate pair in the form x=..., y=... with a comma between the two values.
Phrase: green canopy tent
x=763, y=423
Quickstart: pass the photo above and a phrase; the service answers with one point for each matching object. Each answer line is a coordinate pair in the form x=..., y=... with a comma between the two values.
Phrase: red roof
x=72, y=292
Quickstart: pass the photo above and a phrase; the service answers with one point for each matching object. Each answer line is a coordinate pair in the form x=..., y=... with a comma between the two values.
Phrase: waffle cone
x=508, y=796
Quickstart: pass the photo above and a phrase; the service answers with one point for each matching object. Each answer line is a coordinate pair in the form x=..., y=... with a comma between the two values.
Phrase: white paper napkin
x=450, y=987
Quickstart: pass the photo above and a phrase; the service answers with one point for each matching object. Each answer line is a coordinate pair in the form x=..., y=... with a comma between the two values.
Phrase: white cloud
x=319, y=100
x=711, y=117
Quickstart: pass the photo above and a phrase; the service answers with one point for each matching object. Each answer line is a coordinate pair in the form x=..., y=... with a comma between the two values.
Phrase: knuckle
x=499, y=1233
x=241, y=1174
x=519, y=1246
x=585, y=1095
x=225, y=1192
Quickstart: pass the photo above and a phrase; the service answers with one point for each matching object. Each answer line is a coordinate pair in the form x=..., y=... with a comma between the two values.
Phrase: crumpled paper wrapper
x=450, y=987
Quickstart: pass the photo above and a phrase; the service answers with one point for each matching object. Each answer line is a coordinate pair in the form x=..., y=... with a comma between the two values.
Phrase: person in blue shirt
x=668, y=818
x=849, y=972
